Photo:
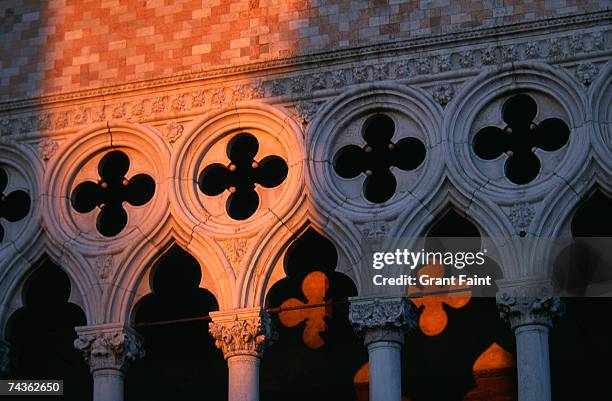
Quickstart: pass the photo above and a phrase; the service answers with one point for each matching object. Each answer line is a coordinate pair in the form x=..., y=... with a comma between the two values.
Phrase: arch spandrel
x=600, y=98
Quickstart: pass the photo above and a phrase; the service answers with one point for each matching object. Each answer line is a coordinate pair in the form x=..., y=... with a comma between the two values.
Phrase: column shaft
x=385, y=371
x=108, y=385
x=243, y=378
x=533, y=363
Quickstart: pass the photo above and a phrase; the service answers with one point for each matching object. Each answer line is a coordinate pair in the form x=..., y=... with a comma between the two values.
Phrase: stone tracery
x=206, y=222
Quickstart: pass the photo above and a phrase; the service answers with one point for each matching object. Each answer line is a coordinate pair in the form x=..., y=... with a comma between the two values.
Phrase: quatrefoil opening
x=111, y=191
x=520, y=138
x=377, y=157
x=241, y=176
x=14, y=206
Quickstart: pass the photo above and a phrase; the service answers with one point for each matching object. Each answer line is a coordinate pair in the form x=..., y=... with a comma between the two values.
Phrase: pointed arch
x=271, y=257
x=131, y=282
x=85, y=289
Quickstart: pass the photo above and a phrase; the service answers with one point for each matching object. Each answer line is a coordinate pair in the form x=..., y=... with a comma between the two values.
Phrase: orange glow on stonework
x=433, y=318
x=314, y=288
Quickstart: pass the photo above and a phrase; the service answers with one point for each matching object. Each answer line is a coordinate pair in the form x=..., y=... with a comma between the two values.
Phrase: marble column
x=108, y=350
x=530, y=309
x=242, y=335
x=383, y=323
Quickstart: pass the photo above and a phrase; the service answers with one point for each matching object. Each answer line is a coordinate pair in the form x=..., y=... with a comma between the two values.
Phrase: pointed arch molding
x=600, y=97
x=472, y=100
x=415, y=114
x=24, y=172
x=84, y=288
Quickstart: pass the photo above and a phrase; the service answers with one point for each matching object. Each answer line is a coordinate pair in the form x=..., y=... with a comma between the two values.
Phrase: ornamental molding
x=528, y=302
x=103, y=266
x=586, y=72
x=521, y=215
x=241, y=332
x=108, y=346
x=172, y=131
x=235, y=250
x=564, y=45
x=47, y=148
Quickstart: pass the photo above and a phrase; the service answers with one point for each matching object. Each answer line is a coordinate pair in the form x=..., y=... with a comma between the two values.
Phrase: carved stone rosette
x=382, y=319
x=242, y=332
x=108, y=346
x=529, y=304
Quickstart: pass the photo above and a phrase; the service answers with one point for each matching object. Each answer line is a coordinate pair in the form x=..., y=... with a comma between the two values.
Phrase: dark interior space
x=317, y=353
x=41, y=335
x=181, y=362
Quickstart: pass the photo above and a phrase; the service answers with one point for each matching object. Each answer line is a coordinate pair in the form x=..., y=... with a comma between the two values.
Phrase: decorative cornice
x=335, y=57
x=530, y=302
x=297, y=86
x=108, y=346
x=241, y=332
x=382, y=319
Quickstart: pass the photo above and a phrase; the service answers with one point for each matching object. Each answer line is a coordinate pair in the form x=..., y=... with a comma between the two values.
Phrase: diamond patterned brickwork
x=64, y=45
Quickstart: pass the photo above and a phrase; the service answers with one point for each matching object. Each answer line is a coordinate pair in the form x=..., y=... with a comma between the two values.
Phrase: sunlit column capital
x=108, y=346
x=382, y=319
x=241, y=331
x=528, y=302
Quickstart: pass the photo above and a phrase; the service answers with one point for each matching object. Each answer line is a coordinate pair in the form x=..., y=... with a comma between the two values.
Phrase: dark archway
x=444, y=358
x=41, y=334
x=181, y=362
x=317, y=354
x=580, y=347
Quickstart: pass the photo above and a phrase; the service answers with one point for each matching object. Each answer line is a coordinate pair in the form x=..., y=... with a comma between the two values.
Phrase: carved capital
x=108, y=346
x=241, y=332
x=382, y=319
x=528, y=303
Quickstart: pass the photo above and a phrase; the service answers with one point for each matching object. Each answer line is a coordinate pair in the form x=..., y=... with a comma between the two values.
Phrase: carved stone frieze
x=108, y=346
x=153, y=106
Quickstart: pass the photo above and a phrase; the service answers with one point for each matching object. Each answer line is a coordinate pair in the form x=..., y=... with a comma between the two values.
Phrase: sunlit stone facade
x=130, y=128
